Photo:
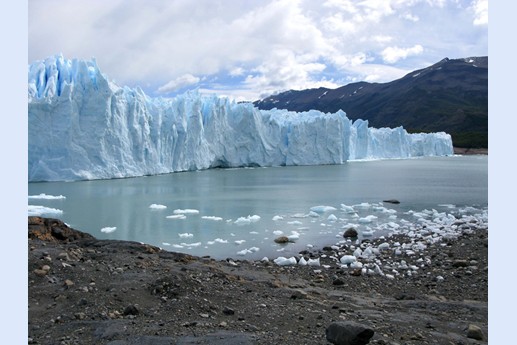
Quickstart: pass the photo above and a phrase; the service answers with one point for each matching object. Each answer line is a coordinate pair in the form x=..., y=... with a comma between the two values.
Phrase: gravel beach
x=82, y=290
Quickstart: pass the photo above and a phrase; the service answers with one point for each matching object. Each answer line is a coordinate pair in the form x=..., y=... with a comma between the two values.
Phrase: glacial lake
x=237, y=213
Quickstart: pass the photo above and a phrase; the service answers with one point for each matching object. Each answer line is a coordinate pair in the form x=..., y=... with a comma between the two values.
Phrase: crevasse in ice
x=82, y=126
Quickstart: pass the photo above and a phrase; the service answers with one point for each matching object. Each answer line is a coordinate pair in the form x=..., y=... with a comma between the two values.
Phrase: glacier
x=82, y=126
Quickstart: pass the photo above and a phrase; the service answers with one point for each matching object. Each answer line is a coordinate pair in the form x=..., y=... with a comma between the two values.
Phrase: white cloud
x=481, y=12
x=394, y=54
x=256, y=46
x=179, y=83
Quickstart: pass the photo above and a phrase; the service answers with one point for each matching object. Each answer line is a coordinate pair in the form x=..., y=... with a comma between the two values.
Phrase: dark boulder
x=348, y=333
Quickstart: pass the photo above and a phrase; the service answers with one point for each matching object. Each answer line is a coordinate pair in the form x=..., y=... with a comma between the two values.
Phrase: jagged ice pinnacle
x=83, y=126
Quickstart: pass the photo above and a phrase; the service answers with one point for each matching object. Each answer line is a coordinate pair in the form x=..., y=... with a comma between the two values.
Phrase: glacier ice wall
x=83, y=126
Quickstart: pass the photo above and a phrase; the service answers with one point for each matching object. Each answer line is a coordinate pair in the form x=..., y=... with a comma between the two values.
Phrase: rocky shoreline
x=87, y=291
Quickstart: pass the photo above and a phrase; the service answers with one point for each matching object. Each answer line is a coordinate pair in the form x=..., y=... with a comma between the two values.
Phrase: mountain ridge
x=450, y=95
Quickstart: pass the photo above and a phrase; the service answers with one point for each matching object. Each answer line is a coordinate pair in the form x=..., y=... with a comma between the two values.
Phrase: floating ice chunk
x=217, y=219
x=347, y=259
x=313, y=214
x=239, y=242
x=247, y=220
x=195, y=244
x=157, y=207
x=358, y=252
x=294, y=236
x=265, y=259
x=347, y=209
x=47, y=197
x=282, y=261
x=177, y=246
x=367, y=219
x=177, y=216
x=108, y=229
x=276, y=218
x=302, y=262
x=186, y=235
x=367, y=233
x=356, y=264
x=313, y=262
x=322, y=209
x=299, y=215
x=332, y=218
x=362, y=205
x=220, y=240
x=278, y=232
x=186, y=211
x=383, y=246
x=243, y=252
x=166, y=244
x=295, y=222
x=310, y=246
x=36, y=210
x=254, y=233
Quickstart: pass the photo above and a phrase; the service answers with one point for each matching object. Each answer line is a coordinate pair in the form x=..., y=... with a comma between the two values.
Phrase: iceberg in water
x=83, y=126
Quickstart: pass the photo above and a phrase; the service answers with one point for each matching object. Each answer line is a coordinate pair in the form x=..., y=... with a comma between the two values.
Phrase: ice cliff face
x=82, y=126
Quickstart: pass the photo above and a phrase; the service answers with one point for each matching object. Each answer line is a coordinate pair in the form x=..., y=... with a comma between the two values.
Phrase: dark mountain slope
x=450, y=96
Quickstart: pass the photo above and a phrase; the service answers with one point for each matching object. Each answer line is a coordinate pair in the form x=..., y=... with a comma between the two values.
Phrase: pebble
x=474, y=332
x=40, y=272
x=69, y=283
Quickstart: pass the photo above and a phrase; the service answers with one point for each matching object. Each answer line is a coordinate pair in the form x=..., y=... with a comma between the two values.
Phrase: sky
x=250, y=49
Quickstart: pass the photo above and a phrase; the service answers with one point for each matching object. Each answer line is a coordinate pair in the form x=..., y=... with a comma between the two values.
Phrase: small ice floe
x=186, y=235
x=367, y=219
x=108, y=229
x=322, y=209
x=239, y=242
x=347, y=259
x=247, y=220
x=254, y=233
x=363, y=205
x=220, y=240
x=294, y=236
x=177, y=246
x=302, y=261
x=295, y=222
x=214, y=218
x=356, y=264
x=367, y=232
x=177, y=216
x=35, y=210
x=313, y=262
x=310, y=246
x=313, y=214
x=166, y=244
x=383, y=246
x=282, y=261
x=347, y=209
x=195, y=244
x=47, y=197
x=299, y=215
x=264, y=259
x=276, y=218
x=332, y=218
x=186, y=211
x=278, y=232
x=248, y=251
x=358, y=252
x=157, y=207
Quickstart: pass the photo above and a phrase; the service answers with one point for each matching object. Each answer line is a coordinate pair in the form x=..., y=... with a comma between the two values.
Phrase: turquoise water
x=122, y=205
